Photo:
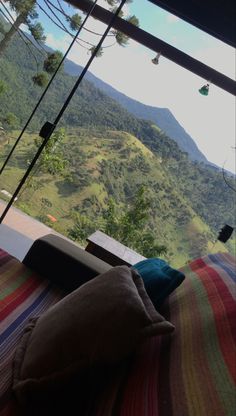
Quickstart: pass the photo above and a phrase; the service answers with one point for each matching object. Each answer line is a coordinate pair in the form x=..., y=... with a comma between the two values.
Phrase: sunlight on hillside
x=131, y=127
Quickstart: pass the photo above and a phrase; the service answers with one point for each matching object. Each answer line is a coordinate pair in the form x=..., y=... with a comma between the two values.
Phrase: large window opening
x=140, y=153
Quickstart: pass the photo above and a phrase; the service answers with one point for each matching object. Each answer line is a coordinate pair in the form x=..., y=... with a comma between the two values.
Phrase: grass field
x=103, y=165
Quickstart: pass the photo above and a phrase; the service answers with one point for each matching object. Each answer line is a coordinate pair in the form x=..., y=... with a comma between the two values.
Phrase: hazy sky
x=209, y=120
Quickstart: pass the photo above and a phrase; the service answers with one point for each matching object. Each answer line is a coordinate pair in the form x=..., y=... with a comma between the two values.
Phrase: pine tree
x=26, y=13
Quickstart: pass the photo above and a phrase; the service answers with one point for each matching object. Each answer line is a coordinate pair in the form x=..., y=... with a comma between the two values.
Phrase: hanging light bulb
x=156, y=59
x=204, y=90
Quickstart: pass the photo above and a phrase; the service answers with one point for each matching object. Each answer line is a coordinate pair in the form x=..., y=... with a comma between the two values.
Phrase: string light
x=156, y=59
x=204, y=90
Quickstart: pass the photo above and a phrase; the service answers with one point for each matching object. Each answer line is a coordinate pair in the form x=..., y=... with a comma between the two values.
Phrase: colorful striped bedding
x=189, y=373
x=193, y=371
x=22, y=296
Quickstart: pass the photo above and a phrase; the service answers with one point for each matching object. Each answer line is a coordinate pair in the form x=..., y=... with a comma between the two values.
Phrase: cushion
x=101, y=322
x=64, y=262
x=159, y=279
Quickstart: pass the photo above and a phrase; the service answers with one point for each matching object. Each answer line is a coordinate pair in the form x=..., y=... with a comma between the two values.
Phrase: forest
x=106, y=169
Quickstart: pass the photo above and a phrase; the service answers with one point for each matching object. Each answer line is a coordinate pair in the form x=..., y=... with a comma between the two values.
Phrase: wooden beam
x=158, y=45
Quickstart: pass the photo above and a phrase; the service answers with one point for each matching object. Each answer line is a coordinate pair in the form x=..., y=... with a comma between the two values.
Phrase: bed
x=189, y=373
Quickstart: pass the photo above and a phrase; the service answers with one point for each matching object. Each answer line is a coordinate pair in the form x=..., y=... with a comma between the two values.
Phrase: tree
x=120, y=37
x=82, y=227
x=37, y=31
x=99, y=52
x=74, y=21
x=10, y=121
x=52, y=160
x=26, y=12
x=129, y=228
x=40, y=79
x=52, y=61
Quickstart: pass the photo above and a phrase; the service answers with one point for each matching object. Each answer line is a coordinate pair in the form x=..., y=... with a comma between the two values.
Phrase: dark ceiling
x=216, y=17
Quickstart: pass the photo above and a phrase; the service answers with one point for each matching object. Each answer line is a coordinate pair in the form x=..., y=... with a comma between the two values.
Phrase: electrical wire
x=62, y=11
x=55, y=15
x=22, y=38
x=26, y=44
x=61, y=25
x=19, y=31
x=88, y=63
x=48, y=128
x=47, y=87
x=52, y=20
x=64, y=28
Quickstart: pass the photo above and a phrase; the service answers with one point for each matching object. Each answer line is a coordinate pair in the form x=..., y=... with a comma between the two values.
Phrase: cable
x=22, y=38
x=55, y=15
x=48, y=128
x=62, y=11
x=61, y=26
x=46, y=89
x=19, y=31
x=88, y=63
x=55, y=23
x=37, y=64
x=48, y=3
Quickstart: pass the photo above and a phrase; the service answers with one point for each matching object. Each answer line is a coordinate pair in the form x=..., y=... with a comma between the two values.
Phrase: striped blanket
x=22, y=296
x=193, y=371
x=189, y=373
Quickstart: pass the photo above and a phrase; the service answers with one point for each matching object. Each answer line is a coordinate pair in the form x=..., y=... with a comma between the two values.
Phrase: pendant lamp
x=204, y=90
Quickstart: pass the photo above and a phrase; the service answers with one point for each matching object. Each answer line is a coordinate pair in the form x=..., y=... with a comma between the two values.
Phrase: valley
x=108, y=167
x=112, y=165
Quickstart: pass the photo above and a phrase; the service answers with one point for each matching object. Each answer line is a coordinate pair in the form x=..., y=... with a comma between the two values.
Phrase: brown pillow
x=99, y=323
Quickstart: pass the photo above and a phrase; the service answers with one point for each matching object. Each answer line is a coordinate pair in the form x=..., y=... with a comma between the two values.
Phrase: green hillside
x=107, y=153
x=89, y=105
x=104, y=164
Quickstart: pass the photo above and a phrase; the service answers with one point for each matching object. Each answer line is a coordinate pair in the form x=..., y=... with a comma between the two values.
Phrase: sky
x=210, y=120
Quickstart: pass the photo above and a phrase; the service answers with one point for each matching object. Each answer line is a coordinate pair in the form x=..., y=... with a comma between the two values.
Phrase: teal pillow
x=159, y=279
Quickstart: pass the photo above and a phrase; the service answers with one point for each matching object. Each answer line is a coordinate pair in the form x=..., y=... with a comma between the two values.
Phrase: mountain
x=162, y=117
x=108, y=152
